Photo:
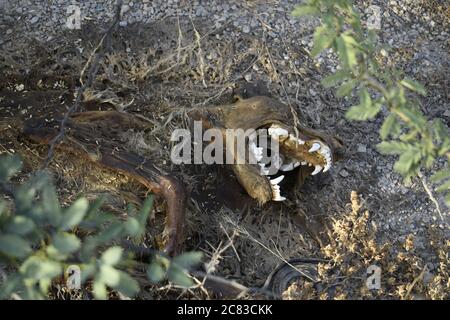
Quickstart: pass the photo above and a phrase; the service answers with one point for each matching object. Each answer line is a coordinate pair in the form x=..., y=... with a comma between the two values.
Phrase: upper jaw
x=294, y=151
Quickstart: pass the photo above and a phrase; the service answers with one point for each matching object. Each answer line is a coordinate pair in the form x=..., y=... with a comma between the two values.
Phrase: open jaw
x=293, y=152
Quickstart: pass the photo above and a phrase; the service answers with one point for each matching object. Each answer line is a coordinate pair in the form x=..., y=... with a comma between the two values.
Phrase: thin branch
x=95, y=57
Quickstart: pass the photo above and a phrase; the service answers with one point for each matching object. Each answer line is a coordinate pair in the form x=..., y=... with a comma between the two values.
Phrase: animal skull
x=310, y=151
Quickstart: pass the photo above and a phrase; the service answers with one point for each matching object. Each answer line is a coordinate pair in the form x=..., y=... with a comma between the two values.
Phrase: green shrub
x=405, y=132
x=39, y=240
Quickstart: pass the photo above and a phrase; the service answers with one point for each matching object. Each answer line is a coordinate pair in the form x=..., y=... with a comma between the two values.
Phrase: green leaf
x=335, y=78
x=388, y=126
x=14, y=246
x=38, y=268
x=142, y=219
x=441, y=175
x=51, y=206
x=346, y=50
x=444, y=187
x=412, y=116
x=407, y=160
x=132, y=227
x=365, y=110
x=414, y=86
x=9, y=286
x=440, y=130
x=20, y=225
x=155, y=272
x=74, y=214
x=304, y=10
x=110, y=233
x=447, y=199
x=323, y=39
x=392, y=147
x=346, y=88
x=109, y=276
x=188, y=259
x=9, y=166
x=179, y=276
x=127, y=285
x=64, y=244
x=99, y=290
x=112, y=256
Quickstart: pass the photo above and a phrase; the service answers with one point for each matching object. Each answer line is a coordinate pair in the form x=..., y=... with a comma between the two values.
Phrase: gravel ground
x=416, y=30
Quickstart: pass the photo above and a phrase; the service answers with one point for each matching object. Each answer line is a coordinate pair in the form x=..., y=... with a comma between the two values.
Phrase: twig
x=430, y=195
x=198, y=39
x=95, y=57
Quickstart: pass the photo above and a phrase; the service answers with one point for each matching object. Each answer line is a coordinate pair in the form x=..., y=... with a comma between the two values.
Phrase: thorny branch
x=95, y=57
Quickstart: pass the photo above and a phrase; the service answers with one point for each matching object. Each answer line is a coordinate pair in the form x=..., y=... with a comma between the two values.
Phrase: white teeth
x=315, y=147
x=303, y=163
x=290, y=166
x=316, y=170
x=326, y=153
x=276, y=180
x=276, y=196
x=278, y=132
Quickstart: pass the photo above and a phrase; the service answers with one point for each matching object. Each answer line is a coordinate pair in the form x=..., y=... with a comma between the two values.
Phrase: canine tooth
x=304, y=163
x=277, y=180
x=327, y=167
x=316, y=170
x=315, y=147
x=279, y=198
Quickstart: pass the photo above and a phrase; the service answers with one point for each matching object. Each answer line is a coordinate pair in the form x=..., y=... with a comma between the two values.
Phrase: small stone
x=362, y=148
x=123, y=23
x=248, y=77
x=34, y=19
x=246, y=29
x=344, y=173
x=125, y=9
